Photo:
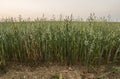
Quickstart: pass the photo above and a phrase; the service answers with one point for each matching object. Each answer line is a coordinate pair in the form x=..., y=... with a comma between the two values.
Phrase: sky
x=79, y=8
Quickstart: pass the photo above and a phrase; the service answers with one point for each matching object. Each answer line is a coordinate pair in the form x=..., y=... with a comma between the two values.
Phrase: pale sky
x=81, y=8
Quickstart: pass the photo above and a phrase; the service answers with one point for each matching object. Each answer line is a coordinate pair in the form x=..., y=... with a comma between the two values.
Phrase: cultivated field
x=61, y=42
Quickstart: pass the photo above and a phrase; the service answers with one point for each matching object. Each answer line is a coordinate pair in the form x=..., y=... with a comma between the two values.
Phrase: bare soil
x=52, y=72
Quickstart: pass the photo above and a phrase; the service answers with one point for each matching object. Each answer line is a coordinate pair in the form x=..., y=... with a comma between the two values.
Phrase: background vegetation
x=65, y=42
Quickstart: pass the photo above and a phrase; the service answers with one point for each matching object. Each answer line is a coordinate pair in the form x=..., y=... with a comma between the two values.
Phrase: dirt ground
x=56, y=72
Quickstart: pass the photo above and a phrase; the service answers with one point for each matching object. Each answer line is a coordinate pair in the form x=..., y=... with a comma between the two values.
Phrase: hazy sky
x=81, y=8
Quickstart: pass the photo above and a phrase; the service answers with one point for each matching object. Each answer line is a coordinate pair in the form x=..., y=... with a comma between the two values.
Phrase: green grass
x=64, y=42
